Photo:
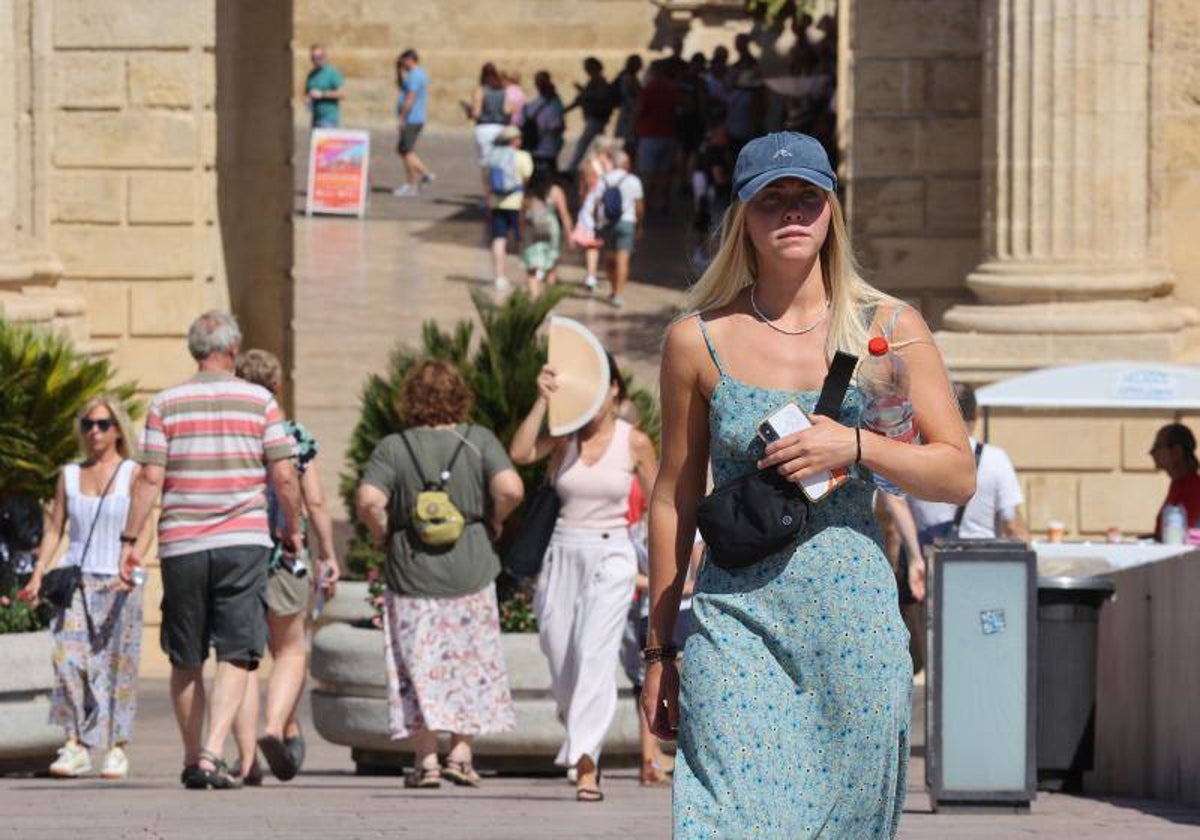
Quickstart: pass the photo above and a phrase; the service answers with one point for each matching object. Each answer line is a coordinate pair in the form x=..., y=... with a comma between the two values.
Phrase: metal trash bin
x=1068, y=618
x=981, y=685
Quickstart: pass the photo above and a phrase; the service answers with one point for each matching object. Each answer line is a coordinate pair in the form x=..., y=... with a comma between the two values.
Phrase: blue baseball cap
x=781, y=154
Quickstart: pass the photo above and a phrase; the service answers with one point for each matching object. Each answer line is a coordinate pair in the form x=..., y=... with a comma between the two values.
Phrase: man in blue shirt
x=323, y=90
x=411, y=110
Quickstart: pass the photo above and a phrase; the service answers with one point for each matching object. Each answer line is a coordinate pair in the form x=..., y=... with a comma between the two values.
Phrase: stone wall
x=1090, y=471
x=364, y=37
x=910, y=103
x=131, y=188
x=1175, y=143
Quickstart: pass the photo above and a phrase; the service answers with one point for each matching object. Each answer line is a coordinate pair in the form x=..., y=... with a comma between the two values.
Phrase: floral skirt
x=445, y=666
x=95, y=685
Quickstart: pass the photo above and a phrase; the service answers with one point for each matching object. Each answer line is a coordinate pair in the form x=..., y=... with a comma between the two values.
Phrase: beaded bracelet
x=663, y=653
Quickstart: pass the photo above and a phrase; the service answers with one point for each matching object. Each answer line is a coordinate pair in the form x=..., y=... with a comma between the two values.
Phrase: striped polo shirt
x=214, y=435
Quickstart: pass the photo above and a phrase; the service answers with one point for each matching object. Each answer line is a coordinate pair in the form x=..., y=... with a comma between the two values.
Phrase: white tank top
x=596, y=496
x=104, y=552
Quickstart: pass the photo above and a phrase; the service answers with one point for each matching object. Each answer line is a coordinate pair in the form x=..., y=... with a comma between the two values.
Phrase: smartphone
x=787, y=421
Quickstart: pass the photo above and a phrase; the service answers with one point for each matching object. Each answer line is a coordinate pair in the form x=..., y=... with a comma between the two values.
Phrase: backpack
x=435, y=520
x=611, y=205
x=531, y=132
x=539, y=218
x=502, y=172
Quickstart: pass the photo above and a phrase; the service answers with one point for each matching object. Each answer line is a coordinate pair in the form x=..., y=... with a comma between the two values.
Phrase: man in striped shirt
x=209, y=447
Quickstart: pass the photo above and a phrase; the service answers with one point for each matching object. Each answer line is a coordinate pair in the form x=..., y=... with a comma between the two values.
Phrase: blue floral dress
x=796, y=683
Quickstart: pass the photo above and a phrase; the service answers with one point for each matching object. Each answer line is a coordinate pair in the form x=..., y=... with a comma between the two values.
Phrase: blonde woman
x=792, y=706
x=289, y=588
x=97, y=639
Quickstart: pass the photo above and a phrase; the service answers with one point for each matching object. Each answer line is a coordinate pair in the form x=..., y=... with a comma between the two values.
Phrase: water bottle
x=883, y=379
x=1174, y=524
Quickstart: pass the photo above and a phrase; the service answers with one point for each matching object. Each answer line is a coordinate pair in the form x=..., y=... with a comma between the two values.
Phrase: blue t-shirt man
x=416, y=82
x=326, y=112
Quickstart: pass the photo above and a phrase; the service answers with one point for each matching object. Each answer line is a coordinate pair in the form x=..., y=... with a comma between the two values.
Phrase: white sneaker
x=617, y=302
x=115, y=766
x=502, y=284
x=73, y=760
x=406, y=191
x=590, y=283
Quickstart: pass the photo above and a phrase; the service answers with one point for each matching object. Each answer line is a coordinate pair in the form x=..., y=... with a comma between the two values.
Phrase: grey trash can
x=1068, y=618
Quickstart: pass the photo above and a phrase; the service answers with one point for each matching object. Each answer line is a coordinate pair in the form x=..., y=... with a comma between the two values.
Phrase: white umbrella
x=1118, y=385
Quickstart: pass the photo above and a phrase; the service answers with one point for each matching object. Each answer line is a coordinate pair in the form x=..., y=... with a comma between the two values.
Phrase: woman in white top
x=587, y=578
x=97, y=640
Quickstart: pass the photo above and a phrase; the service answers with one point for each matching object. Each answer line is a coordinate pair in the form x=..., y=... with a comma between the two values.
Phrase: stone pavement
x=328, y=801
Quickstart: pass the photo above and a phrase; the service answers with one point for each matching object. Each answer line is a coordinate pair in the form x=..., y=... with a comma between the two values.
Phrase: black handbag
x=525, y=553
x=761, y=513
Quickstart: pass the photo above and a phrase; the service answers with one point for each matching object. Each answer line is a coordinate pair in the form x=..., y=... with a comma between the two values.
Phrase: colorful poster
x=337, y=171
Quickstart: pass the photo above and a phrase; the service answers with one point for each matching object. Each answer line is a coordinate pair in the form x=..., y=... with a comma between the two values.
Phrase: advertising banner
x=338, y=160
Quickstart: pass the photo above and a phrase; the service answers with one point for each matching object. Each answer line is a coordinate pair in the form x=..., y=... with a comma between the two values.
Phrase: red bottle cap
x=877, y=346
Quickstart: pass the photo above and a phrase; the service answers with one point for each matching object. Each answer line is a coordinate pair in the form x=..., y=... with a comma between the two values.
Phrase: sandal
x=462, y=773
x=252, y=778
x=653, y=774
x=218, y=778
x=590, y=794
x=278, y=758
x=424, y=777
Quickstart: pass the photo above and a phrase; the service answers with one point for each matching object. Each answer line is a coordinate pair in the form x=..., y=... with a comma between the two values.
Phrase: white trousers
x=583, y=596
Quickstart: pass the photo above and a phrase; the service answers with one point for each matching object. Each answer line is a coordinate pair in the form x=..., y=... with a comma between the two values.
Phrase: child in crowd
x=545, y=218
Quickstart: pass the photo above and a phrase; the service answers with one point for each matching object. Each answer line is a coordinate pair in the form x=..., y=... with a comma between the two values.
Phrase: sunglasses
x=88, y=424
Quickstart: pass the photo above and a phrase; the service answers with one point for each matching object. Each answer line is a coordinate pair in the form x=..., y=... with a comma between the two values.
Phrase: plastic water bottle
x=883, y=377
x=1174, y=525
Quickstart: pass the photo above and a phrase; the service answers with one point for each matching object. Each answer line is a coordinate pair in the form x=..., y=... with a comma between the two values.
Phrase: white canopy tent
x=1100, y=385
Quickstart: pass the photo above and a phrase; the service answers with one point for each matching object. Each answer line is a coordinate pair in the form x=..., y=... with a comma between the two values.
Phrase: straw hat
x=582, y=374
x=507, y=134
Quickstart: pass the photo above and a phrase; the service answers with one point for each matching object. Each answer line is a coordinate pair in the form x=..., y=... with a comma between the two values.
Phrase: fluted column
x=1067, y=177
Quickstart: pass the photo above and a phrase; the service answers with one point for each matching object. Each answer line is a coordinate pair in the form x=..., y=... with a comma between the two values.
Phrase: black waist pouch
x=751, y=518
x=761, y=513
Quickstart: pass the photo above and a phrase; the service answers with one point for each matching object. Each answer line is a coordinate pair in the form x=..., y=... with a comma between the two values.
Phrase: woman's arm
x=942, y=469
x=52, y=534
x=645, y=461
x=507, y=490
x=677, y=491
x=322, y=523
x=531, y=442
x=371, y=505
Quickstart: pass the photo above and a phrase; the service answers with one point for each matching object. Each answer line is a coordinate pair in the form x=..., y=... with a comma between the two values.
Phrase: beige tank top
x=596, y=496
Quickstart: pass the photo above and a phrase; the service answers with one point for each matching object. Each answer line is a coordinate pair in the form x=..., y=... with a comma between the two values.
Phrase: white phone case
x=787, y=421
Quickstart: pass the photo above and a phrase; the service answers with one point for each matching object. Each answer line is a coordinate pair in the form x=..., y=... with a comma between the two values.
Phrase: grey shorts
x=621, y=236
x=408, y=137
x=216, y=599
x=288, y=594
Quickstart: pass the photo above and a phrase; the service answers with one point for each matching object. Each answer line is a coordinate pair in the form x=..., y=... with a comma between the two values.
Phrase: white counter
x=1055, y=556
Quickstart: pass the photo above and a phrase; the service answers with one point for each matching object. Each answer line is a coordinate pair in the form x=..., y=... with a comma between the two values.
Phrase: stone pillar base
x=1004, y=282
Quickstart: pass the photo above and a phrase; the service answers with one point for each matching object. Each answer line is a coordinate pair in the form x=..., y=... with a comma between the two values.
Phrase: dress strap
x=71, y=479
x=712, y=349
x=891, y=324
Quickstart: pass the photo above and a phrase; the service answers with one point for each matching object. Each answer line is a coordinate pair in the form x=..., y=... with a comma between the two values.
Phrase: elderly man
x=323, y=90
x=209, y=446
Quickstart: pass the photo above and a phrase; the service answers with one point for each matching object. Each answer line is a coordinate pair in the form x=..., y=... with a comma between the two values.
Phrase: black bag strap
x=444, y=476
x=958, y=514
x=88, y=544
x=837, y=381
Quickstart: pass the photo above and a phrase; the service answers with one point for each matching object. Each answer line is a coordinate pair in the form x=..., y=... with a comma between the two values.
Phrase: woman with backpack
x=542, y=124
x=491, y=109
x=588, y=575
x=545, y=218
x=98, y=636
x=435, y=495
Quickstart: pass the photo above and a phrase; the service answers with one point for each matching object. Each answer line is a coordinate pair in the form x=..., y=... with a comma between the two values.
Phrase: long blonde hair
x=127, y=444
x=734, y=267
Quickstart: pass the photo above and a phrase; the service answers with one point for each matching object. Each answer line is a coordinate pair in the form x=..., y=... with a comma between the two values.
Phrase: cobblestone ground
x=361, y=286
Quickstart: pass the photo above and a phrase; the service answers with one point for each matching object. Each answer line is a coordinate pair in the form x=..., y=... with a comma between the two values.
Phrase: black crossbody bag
x=759, y=514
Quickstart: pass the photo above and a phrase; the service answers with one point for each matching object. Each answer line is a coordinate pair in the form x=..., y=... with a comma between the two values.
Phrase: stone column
x=1071, y=270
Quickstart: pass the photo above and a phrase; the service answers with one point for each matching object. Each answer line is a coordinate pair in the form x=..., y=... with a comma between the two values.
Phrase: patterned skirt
x=95, y=686
x=445, y=666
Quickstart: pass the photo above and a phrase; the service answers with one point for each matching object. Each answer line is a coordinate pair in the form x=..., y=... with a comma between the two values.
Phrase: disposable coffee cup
x=1054, y=531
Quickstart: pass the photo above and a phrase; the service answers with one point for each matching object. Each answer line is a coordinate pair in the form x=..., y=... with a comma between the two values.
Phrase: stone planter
x=27, y=741
x=349, y=706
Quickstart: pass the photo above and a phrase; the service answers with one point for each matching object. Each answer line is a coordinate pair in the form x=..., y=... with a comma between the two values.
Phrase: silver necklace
x=779, y=329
